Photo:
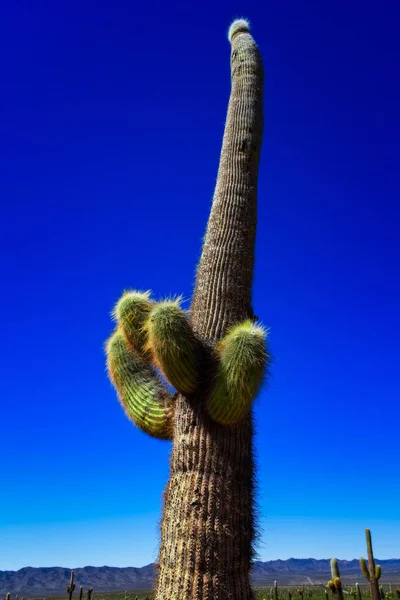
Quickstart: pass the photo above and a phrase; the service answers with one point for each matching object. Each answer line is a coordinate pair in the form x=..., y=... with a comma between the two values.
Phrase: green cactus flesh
x=378, y=571
x=143, y=396
x=131, y=312
x=173, y=346
x=364, y=568
x=334, y=568
x=242, y=360
x=338, y=583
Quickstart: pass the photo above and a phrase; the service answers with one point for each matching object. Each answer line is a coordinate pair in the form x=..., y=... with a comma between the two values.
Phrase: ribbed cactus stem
x=371, y=573
x=371, y=560
x=80, y=592
x=242, y=360
x=364, y=568
x=146, y=401
x=71, y=586
x=334, y=568
x=358, y=591
x=173, y=346
x=225, y=272
x=335, y=584
x=131, y=313
x=208, y=529
x=275, y=590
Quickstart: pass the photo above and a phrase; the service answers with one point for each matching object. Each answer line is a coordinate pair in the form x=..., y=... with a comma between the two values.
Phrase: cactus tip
x=238, y=26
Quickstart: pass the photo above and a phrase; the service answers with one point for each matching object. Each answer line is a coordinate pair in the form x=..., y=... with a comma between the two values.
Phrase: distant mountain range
x=52, y=581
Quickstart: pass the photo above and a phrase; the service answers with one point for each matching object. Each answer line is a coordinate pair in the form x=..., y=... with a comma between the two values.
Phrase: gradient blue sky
x=112, y=119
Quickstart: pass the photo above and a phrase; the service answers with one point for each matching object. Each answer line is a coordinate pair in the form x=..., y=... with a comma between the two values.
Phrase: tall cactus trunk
x=373, y=581
x=207, y=531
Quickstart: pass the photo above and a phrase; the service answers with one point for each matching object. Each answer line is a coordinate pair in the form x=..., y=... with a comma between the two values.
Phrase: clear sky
x=112, y=115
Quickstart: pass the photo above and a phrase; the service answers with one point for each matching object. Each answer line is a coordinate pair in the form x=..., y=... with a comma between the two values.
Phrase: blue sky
x=112, y=119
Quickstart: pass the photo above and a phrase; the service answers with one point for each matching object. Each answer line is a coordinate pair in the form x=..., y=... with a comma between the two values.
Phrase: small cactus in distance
x=71, y=586
x=80, y=592
x=335, y=584
x=372, y=572
x=275, y=590
x=382, y=592
x=326, y=595
x=8, y=596
x=358, y=591
x=89, y=593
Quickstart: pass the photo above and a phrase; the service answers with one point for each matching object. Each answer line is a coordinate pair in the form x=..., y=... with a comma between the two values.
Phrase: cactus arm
x=242, y=358
x=173, y=346
x=338, y=583
x=364, y=568
x=146, y=401
x=378, y=571
x=131, y=312
x=335, y=584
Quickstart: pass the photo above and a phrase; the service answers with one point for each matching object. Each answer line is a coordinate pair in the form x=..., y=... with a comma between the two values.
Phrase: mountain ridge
x=48, y=581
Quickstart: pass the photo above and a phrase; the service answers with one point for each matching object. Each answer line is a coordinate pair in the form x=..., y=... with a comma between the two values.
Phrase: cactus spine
x=142, y=394
x=371, y=572
x=335, y=584
x=241, y=365
x=214, y=357
x=173, y=345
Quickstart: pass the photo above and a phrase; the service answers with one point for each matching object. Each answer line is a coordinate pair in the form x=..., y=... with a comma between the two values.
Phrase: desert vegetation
x=334, y=589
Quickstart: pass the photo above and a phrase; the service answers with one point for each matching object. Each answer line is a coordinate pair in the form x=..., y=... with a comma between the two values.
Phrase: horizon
x=111, y=141
x=149, y=564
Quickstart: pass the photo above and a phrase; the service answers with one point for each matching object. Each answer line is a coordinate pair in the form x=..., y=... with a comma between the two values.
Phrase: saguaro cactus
x=335, y=584
x=371, y=572
x=215, y=357
x=71, y=586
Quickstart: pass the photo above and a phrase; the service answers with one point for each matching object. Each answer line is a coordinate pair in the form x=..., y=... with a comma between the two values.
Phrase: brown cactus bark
x=207, y=532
